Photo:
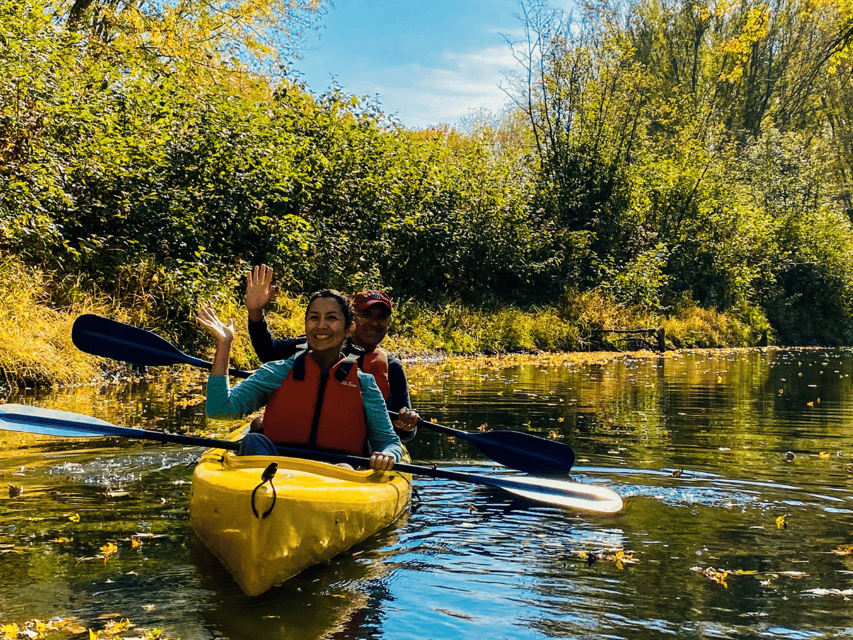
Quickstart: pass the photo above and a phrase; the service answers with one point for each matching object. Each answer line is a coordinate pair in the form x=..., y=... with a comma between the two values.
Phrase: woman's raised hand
x=222, y=333
x=259, y=291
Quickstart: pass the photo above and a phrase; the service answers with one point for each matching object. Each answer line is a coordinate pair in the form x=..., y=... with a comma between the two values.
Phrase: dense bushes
x=645, y=171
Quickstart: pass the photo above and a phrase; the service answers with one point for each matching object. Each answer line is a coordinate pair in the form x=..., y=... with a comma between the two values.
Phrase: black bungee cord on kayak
x=266, y=476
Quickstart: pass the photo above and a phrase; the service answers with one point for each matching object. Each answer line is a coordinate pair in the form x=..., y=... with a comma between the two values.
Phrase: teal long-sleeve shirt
x=232, y=403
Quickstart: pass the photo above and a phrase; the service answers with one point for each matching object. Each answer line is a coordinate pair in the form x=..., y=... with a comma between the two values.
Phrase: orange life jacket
x=376, y=364
x=318, y=410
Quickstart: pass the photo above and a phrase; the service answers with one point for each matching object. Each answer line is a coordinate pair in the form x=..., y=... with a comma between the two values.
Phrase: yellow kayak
x=265, y=532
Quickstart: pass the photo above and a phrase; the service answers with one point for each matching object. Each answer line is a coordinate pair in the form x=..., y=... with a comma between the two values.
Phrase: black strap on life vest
x=341, y=373
x=345, y=367
x=299, y=367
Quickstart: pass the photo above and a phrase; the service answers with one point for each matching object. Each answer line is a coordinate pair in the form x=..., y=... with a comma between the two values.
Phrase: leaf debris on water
x=455, y=614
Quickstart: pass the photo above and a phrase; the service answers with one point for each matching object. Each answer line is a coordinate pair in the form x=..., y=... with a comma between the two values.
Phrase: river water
x=733, y=466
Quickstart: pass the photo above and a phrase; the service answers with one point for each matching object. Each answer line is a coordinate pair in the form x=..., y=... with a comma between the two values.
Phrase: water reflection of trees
x=709, y=408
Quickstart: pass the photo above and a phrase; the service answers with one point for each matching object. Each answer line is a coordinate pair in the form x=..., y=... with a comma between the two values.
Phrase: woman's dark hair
x=337, y=296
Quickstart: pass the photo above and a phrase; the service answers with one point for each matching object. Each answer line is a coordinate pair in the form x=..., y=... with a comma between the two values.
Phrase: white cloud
x=421, y=96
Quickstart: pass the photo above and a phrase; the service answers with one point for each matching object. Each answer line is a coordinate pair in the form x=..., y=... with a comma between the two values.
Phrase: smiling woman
x=313, y=399
x=327, y=323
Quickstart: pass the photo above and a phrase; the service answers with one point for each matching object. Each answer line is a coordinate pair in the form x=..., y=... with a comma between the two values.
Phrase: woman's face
x=325, y=325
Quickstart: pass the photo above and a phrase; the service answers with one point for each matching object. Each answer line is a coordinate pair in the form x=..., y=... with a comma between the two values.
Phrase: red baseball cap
x=364, y=299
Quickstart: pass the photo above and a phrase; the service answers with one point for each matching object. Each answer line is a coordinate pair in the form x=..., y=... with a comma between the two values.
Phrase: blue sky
x=428, y=61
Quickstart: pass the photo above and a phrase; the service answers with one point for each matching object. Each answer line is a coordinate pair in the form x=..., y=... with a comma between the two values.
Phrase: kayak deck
x=315, y=511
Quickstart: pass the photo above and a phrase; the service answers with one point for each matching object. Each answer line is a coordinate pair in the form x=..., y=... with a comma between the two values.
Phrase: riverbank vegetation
x=682, y=164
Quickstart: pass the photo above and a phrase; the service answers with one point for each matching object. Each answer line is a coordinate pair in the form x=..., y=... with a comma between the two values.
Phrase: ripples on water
x=470, y=561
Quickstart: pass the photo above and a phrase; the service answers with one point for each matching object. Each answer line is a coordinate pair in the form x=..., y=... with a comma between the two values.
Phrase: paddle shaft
x=14, y=417
x=72, y=428
x=112, y=339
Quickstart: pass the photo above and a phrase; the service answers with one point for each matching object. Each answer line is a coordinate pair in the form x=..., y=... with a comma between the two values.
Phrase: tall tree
x=207, y=33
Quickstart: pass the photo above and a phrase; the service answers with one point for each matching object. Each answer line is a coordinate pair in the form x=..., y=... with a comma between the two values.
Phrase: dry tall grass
x=36, y=347
x=35, y=340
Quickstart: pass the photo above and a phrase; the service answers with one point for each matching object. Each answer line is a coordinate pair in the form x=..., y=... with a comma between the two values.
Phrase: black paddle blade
x=113, y=339
x=524, y=451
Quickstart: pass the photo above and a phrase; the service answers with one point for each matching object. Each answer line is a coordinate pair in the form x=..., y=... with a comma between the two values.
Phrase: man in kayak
x=373, y=317
x=318, y=399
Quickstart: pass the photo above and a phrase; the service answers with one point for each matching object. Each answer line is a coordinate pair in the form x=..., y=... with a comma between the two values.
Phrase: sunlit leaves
x=755, y=29
x=108, y=550
x=843, y=550
x=184, y=34
x=115, y=628
x=715, y=575
x=37, y=629
x=618, y=557
x=722, y=576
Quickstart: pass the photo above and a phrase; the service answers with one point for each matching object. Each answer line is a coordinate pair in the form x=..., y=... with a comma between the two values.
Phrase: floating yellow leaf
x=823, y=455
x=809, y=404
x=10, y=630
x=75, y=517
x=483, y=427
x=62, y=540
x=620, y=558
x=715, y=575
x=135, y=542
x=94, y=635
x=561, y=419
x=782, y=522
x=108, y=550
x=114, y=628
x=843, y=550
